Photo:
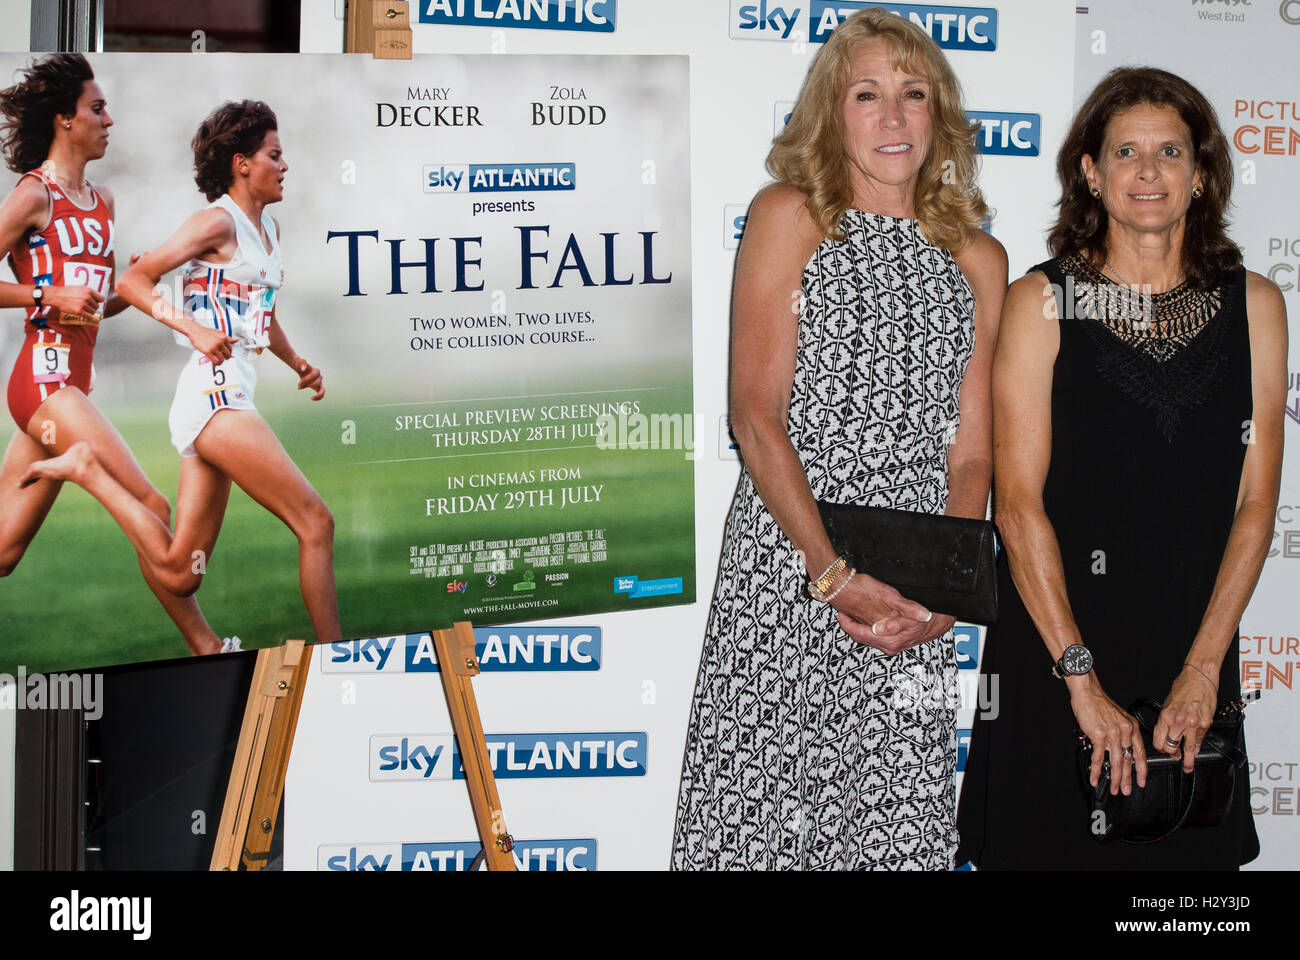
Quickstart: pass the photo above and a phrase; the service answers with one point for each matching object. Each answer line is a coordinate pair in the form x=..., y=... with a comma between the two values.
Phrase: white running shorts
x=203, y=390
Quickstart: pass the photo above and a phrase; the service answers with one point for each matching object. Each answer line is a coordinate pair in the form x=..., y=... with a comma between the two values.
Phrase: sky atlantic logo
x=765, y=20
x=590, y=16
x=1007, y=134
x=533, y=855
x=966, y=639
x=498, y=177
x=951, y=27
x=499, y=649
x=434, y=756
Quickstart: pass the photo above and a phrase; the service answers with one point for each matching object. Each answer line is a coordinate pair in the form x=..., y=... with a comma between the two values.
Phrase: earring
x=1197, y=191
x=1096, y=193
x=67, y=126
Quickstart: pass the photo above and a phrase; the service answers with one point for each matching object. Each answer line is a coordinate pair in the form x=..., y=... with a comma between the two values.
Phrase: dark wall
x=164, y=744
x=266, y=26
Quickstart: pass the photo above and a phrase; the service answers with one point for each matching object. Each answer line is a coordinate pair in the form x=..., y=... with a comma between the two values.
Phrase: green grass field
x=77, y=600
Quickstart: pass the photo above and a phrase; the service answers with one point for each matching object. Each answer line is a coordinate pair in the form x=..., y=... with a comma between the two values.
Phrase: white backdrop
x=740, y=90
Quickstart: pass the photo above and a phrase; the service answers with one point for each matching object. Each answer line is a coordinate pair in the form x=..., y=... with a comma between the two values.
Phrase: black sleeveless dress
x=1149, y=421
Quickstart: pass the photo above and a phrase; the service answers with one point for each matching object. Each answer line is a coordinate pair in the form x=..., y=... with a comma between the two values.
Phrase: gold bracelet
x=822, y=576
x=818, y=592
x=822, y=583
x=836, y=592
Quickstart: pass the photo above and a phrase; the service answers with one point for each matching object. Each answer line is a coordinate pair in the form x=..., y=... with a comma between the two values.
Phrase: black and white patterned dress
x=807, y=750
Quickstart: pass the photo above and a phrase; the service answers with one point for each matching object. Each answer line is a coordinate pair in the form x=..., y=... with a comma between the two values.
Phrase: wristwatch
x=1076, y=661
x=38, y=297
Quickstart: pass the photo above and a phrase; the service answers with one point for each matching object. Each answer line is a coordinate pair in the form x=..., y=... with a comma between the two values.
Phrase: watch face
x=1077, y=659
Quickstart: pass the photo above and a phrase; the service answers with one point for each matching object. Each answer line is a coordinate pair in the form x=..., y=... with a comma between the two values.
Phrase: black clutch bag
x=944, y=563
x=1172, y=799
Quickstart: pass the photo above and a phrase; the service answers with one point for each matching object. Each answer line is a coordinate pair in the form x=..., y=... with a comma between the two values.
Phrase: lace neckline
x=1163, y=351
x=1158, y=325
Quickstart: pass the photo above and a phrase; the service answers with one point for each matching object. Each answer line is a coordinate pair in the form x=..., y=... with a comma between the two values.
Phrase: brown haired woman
x=1138, y=389
x=57, y=230
x=799, y=755
x=231, y=254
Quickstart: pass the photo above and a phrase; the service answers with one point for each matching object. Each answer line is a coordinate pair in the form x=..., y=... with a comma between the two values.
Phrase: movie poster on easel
x=486, y=266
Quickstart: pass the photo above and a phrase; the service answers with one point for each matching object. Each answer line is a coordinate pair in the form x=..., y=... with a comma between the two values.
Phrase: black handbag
x=943, y=563
x=1172, y=799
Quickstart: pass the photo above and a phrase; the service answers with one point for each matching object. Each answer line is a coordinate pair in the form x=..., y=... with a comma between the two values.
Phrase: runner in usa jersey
x=75, y=249
x=230, y=254
x=57, y=235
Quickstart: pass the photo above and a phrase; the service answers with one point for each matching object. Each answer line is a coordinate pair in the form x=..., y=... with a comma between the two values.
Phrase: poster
x=488, y=258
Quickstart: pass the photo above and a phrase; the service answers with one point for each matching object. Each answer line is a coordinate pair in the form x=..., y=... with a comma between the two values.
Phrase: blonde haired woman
x=801, y=752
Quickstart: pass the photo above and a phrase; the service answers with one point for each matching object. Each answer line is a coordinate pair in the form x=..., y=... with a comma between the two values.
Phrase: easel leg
x=457, y=665
x=262, y=757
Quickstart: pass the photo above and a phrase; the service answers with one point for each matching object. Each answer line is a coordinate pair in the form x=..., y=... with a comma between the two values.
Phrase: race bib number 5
x=50, y=362
x=222, y=389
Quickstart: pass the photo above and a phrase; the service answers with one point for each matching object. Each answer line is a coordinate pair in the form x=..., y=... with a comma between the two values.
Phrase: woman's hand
x=910, y=634
x=913, y=632
x=1187, y=714
x=866, y=601
x=309, y=378
x=213, y=344
x=76, y=301
x=1112, y=731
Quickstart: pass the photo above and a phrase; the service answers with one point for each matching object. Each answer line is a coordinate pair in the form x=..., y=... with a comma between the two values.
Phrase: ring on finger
x=1170, y=741
x=1128, y=751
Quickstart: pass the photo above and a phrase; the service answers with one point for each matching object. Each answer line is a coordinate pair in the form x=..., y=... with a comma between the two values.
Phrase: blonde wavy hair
x=809, y=152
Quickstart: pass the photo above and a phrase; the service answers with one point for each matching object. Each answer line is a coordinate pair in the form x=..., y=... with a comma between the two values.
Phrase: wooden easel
x=266, y=739
x=262, y=757
x=381, y=28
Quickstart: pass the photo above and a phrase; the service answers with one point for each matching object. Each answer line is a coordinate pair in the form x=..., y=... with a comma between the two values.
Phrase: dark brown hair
x=1208, y=255
x=49, y=87
x=230, y=129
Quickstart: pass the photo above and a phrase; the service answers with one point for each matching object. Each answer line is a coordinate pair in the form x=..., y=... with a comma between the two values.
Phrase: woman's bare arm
x=1028, y=342
x=209, y=233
